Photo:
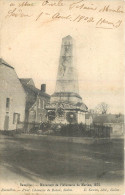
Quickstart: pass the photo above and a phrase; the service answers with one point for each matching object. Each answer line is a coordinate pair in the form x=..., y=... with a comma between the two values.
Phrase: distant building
x=12, y=98
x=36, y=101
x=112, y=120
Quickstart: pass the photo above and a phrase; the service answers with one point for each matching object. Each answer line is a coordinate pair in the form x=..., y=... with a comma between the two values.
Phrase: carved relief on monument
x=51, y=115
x=71, y=117
x=67, y=50
x=64, y=65
x=60, y=110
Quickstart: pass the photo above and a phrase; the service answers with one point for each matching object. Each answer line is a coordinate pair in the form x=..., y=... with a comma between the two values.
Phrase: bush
x=82, y=130
x=9, y=132
x=74, y=130
x=45, y=126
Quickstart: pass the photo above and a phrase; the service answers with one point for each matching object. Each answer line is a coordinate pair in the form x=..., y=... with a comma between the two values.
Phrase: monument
x=66, y=105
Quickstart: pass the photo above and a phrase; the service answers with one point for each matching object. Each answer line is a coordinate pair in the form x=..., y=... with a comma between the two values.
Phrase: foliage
x=51, y=115
x=71, y=117
x=44, y=126
x=34, y=130
x=81, y=130
x=60, y=112
x=11, y=132
x=102, y=108
x=72, y=130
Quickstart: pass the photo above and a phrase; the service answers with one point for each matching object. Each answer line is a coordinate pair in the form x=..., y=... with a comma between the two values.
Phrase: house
x=12, y=98
x=36, y=101
x=116, y=121
x=21, y=103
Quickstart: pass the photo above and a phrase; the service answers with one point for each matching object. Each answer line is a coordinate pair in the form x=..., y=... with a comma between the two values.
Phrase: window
x=16, y=118
x=7, y=103
x=39, y=103
x=43, y=104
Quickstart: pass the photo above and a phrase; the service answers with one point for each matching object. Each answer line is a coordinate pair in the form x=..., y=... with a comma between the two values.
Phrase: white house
x=12, y=98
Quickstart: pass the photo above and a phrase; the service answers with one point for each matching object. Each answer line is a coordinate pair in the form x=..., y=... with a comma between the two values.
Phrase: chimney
x=43, y=87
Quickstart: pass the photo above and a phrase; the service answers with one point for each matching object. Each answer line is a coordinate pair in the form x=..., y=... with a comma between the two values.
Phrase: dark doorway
x=6, y=122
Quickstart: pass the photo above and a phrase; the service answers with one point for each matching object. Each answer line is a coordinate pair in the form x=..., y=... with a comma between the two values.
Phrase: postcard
x=62, y=97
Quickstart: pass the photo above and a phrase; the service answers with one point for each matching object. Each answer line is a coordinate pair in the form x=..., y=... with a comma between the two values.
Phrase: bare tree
x=102, y=108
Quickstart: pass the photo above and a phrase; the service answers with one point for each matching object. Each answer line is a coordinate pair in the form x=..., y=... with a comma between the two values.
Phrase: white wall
x=81, y=117
x=10, y=87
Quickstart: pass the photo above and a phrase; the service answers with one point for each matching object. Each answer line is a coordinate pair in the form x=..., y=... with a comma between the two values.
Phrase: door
x=6, y=122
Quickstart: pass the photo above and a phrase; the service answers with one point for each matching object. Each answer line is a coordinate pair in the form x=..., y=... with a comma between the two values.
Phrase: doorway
x=6, y=122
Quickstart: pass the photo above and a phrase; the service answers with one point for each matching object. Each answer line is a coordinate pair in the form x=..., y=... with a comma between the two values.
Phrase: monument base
x=71, y=97
x=66, y=106
x=66, y=113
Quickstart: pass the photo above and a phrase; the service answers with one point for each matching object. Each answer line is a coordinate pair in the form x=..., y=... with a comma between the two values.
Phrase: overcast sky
x=33, y=49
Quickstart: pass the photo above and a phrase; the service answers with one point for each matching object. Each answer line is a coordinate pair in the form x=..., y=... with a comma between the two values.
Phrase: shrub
x=81, y=130
x=45, y=126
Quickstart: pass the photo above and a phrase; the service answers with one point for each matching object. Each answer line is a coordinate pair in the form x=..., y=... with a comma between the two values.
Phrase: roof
x=66, y=106
x=2, y=62
x=81, y=104
x=33, y=90
x=32, y=93
x=108, y=118
x=27, y=81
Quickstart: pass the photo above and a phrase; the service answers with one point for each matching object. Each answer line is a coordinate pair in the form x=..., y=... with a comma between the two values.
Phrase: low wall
x=79, y=140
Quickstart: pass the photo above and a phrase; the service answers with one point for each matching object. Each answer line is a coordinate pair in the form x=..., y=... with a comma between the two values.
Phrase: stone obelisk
x=66, y=105
x=67, y=89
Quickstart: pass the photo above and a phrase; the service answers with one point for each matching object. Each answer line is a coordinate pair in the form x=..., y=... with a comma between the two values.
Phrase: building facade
x=12, y=98
x=21, y=103
x=36, y=100
x=115, y=121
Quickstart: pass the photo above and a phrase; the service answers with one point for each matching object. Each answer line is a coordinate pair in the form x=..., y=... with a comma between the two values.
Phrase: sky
x=33, y=49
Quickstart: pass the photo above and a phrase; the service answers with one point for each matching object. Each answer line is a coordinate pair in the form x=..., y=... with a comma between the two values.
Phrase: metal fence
x=73, y=130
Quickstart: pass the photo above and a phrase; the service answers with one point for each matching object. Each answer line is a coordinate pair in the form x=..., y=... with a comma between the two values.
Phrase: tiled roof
x=2, y=62
x=34, y=91
x=26, y=80
x=66, y=106
x=81, y=104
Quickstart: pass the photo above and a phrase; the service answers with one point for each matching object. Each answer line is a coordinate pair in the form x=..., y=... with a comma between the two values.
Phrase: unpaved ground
x=35, y=160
